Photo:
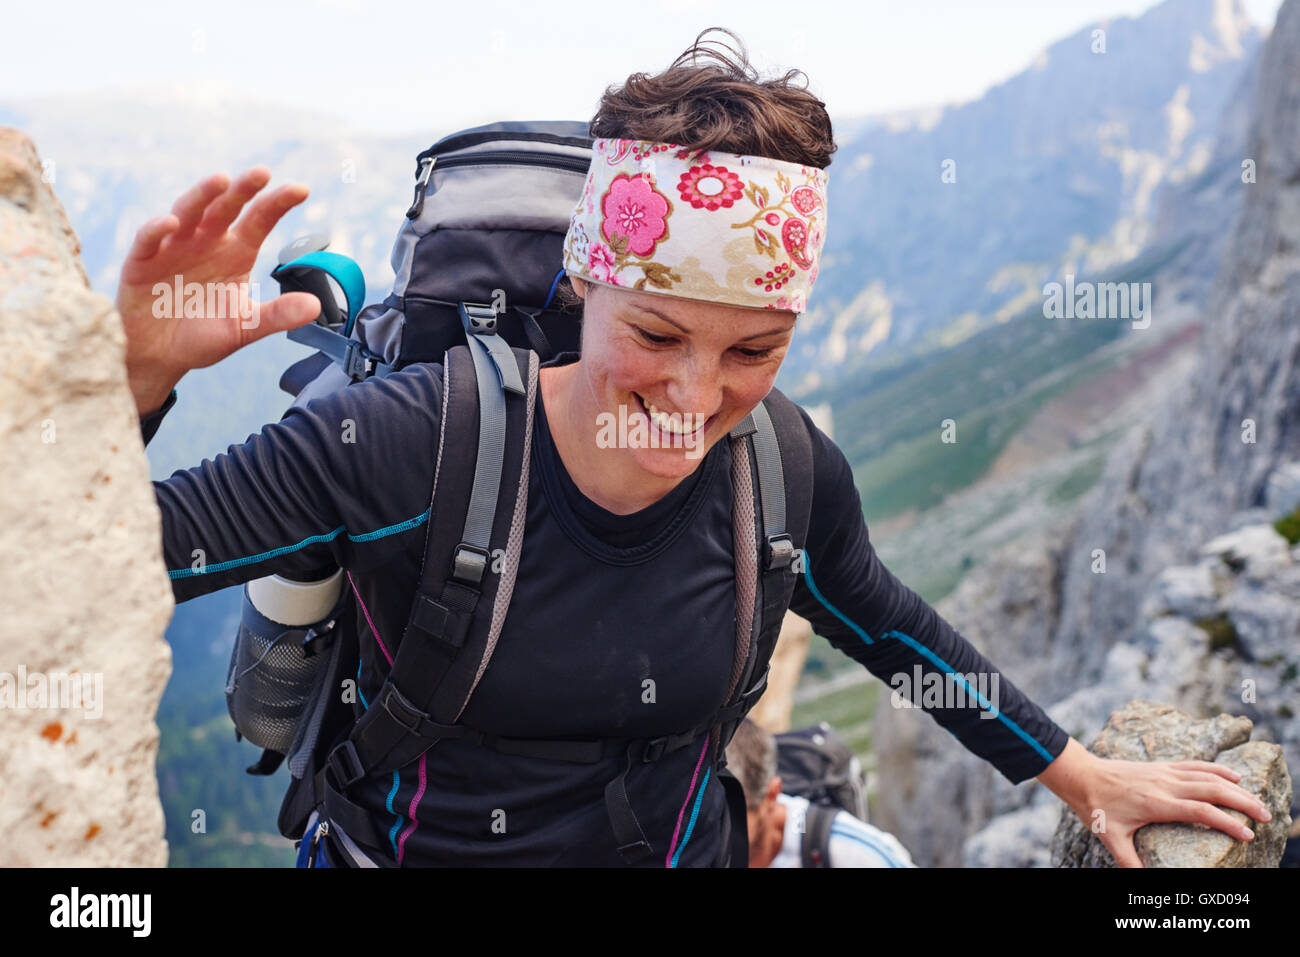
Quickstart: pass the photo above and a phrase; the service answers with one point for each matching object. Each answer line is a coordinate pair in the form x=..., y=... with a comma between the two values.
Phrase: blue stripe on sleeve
x=928, y=655
x=394, y=529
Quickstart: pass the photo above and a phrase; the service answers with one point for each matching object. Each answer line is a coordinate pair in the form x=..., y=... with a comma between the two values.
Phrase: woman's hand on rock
x=1115, y=798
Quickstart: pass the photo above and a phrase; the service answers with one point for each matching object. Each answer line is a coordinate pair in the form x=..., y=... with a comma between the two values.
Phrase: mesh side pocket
x=270, y=680
x=317, y=707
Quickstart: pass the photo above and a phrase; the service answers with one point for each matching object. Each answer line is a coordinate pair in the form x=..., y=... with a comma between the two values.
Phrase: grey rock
x=1191, y=591
x=1250, y=516
x=1267, y=623
x=1258, y=550
x=1018, y=839
x=1263, y=773
x=1150, y=731
x=1282, y=496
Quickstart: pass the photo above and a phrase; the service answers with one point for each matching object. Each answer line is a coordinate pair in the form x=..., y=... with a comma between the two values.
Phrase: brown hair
x=721, y=105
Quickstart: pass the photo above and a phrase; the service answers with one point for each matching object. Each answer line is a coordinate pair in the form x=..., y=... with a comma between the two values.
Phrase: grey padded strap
x=480, y=324
x=770, y=475
x=744, y=427
x=779, y=550
x=503, y=358
x=491, y=454
x=514, y=543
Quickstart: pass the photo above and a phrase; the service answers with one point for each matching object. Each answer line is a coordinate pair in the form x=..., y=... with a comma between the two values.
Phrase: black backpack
x=816, y=763
x=477, y=269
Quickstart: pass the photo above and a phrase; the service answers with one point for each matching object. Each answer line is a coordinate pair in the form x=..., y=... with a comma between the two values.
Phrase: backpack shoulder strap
x=815, y=846
x=785, y=471
x=783, y=459
x=773, y=479
x=489, y=391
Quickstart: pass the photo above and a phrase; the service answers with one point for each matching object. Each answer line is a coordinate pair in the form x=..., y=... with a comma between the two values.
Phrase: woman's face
x=704, y=364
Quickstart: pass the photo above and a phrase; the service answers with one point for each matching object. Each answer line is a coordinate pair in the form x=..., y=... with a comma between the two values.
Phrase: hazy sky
x=395, y=67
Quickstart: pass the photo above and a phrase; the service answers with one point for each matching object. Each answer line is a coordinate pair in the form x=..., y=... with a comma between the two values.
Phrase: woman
x=627, y=575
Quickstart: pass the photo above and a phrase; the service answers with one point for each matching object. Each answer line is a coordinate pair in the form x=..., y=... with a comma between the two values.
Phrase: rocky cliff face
x=82, y=660
x=1210, y=450
x=1199, y=466
x=1213, y=637
x=1054, y=171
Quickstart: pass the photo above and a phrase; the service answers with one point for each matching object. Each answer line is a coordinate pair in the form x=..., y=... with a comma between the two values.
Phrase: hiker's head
x=724, y=246
x=751, y=757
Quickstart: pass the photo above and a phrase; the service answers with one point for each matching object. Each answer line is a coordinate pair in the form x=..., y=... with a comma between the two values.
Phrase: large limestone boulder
x=83, y=662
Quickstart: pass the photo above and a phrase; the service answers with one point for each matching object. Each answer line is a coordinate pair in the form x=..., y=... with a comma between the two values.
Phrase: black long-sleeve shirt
x=603, y=604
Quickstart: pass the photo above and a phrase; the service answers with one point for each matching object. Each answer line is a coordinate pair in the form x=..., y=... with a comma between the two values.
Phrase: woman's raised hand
x=173, y=326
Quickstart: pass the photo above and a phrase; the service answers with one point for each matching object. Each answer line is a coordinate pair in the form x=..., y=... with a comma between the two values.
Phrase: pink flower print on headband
x=634, y=209
x=743, y=230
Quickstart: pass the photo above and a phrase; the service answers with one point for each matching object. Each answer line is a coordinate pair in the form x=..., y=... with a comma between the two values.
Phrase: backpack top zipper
x=572, y=164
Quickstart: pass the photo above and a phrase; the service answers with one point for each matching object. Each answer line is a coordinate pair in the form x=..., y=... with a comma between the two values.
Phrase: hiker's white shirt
x=853, y=843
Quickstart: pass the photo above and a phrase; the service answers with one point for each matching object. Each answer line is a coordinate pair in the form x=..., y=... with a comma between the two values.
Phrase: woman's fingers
x=287, y=311
x=223, y=210
x=267, y=210
x=1201, y=813
x=1222, y=770
x=1218, y=791
x=150, y=236
x=191, y=206
x=1121, y=848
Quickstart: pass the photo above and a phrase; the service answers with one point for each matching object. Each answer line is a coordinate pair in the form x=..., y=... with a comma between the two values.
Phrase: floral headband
x=699, y=224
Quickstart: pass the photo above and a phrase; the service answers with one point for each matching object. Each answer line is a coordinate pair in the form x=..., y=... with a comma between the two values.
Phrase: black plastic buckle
x=478, y=318
x=469, y=563
x=357, y=362
x=393, y=696
x=346, y=764
x=780, y=551
x=317, y=639
x=654, y=749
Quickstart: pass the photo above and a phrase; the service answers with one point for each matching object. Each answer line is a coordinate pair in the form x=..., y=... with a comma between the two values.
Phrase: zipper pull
x=421, y=184
x=322, y=829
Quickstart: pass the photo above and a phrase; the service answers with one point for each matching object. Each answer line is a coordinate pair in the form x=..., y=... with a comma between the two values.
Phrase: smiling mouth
x=673, y=423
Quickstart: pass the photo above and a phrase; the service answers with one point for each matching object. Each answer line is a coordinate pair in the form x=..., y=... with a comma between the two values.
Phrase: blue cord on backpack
x=551, y=295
